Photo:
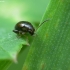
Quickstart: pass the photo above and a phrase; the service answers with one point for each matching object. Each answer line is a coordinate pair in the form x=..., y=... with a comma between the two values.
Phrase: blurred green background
x=13, y=11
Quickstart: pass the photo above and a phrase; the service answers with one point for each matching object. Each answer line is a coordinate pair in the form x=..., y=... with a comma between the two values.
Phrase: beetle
x=23, y=27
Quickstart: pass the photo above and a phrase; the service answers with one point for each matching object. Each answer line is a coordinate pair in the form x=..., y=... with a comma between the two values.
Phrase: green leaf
x=11, y=11
x=4, y=64
x=50, y=49
x=10, y=44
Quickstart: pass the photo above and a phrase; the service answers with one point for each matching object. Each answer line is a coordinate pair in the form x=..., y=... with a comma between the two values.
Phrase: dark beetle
x=23, y=27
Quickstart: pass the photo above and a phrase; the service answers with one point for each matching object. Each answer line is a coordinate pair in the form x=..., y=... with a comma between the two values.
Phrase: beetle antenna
x=42, y=23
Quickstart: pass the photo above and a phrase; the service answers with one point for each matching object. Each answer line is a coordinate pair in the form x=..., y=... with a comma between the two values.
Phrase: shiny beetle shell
x=23, y=27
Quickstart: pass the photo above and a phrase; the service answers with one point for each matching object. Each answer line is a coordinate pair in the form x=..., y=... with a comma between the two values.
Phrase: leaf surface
x=50, y=49
x=10, y=43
